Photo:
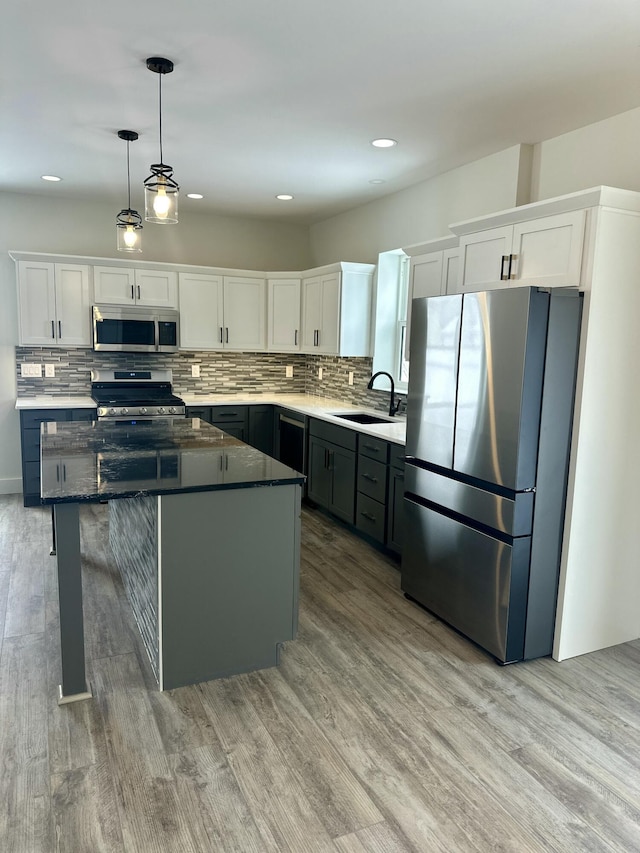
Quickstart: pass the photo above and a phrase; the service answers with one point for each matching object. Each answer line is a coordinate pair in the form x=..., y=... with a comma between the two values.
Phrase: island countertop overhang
x=98, y=461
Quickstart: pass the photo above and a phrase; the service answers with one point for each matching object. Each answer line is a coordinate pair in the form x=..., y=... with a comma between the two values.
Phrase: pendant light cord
x=160, y=108
x=128, y=179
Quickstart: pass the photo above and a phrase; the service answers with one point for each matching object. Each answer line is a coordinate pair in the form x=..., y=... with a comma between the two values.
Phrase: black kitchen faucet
x=394, y=407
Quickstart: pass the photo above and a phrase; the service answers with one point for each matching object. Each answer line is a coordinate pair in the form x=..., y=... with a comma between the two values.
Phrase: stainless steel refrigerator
x=489, y=417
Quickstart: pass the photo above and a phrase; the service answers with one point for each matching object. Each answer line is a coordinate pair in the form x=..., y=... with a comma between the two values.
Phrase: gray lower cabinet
x=261, y=428
x=332, y=468
x=30, y=420
x=251, y=424
x=371, y=500
x=395, y=500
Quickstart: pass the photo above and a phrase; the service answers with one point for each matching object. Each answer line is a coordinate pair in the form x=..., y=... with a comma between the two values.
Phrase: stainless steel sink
x=363, y=418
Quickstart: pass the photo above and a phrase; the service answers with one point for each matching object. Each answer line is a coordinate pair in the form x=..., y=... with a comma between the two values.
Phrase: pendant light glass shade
x=160, y=189
x=128, y=221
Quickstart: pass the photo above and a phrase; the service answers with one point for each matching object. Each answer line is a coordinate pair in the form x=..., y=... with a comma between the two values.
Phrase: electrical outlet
x=319, y=373
x=351, y=377
x=32, y=370
x=195, y=371
x=288, y=371
x=50, y=370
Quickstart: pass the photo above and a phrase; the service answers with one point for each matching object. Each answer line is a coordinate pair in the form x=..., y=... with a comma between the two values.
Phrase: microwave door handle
x=156, y=325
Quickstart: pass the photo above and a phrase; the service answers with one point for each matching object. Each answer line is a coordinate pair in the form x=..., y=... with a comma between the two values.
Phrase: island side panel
x=133, y=537
x=229, y=566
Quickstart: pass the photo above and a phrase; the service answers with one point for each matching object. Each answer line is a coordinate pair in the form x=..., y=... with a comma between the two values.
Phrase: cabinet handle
x=295, y=337
x=59, y=328
x=132, y=296
x=318, y=343
x=370, y=478
x=371, y=447
x=512, y=266
x=220, y=334
x=138, y=291
x=64, y=473
x=504, y=276
x=227, y=335
x=53, y=330
x=226, y=415
x=57, y=473
x=400, y=476
x=368, y=516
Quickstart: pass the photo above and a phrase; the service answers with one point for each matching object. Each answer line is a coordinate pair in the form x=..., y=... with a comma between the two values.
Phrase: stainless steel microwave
x=135, y=329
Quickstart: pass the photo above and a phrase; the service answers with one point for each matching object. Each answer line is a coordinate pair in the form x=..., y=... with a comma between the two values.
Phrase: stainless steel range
x=135, y=395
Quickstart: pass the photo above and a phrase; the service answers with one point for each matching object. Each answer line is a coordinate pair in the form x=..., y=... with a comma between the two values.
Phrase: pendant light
x=160, y=190
x=128, y=221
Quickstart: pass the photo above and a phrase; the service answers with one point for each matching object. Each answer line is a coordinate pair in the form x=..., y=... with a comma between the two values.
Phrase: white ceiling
x=273, y=96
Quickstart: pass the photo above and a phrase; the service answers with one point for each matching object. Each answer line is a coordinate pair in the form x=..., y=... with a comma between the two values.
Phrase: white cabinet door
x=37, y=303
x=245, y=314
x=482, y=259
x=73, y=305
x=311, y=312
x=425, y=279
x=450, y=268
x=157, y=288
x=321, y=314
x=54, y=304
x=283, y=313
x=544, y=252
x=547, y=252
x=114, y=286
x=201, y=307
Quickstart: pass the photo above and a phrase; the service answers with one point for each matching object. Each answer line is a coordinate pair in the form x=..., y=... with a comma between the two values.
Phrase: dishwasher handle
x=287, y=420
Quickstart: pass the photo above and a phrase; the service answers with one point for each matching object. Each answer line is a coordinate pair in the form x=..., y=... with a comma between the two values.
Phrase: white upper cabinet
x=432, y=272
x=222, y=312
x=544, y=252
x=120, y=286
x=245, y=319
x=54, y=304
x=201, y=307
x=283, y=313
x=336, y=310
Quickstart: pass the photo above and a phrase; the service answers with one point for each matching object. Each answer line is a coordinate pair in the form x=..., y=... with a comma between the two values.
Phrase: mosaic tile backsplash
x=220, y=373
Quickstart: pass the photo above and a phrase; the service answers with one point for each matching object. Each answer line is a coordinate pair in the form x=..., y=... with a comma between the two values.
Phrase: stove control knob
x=124, y=411
x=143, y=410
x=172, y=410
x=161, y=410
x=112, y=411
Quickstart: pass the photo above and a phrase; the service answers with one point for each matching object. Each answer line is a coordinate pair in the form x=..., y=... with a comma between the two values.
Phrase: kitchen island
x=205, y=531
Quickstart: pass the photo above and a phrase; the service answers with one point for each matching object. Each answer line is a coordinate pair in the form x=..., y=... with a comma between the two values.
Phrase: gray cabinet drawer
x=31, y=445
x=202, y=412
x=31, y=482
x=32, y=419
x=341, y=436
x=228, y=413
x=370, y=517
x=374, y=448
x=396, y=455
x=84, y=414
x=372, y=478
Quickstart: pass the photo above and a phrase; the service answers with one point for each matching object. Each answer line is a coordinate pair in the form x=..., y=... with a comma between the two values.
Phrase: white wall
x=41, y=224
x=425, y=210
x=605, y=153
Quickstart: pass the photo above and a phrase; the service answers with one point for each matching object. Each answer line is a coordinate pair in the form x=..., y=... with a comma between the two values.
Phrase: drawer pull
x=368, y=516
x=370, y=478
x=226, y=415
x=371, y=447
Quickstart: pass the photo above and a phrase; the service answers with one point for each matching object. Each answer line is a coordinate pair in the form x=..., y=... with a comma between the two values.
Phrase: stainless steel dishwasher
x=292, y=440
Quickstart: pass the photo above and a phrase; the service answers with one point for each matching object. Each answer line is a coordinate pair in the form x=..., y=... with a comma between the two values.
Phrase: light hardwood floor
x=382, y=730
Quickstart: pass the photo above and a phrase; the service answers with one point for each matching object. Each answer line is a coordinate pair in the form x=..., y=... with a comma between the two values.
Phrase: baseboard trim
x=11, y=486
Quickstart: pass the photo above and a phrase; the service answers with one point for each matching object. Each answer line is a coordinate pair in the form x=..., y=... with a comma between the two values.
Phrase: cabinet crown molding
x=596, y=196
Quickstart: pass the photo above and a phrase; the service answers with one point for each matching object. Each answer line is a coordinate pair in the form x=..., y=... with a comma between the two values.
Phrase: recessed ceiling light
x=383, y=143
x=50, y=178
x=284, y=197
x=194, y=195
x=377, y=181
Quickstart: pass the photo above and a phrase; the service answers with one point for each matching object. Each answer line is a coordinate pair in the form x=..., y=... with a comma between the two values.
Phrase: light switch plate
x=31, y=370
x=351, y=377
x=288, y=371
x=319, y=373
x=50, y=370
x=195, y=371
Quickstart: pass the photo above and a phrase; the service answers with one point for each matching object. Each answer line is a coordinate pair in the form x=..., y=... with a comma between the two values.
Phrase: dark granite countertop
x=84, y=462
